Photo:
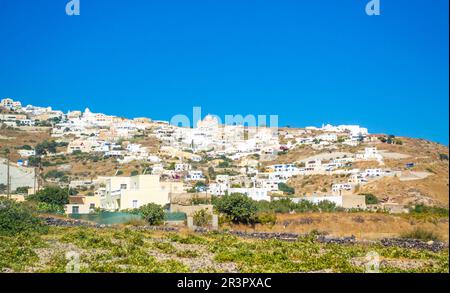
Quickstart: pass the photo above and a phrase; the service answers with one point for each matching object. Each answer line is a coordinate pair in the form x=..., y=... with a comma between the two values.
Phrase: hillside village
x=116, y=164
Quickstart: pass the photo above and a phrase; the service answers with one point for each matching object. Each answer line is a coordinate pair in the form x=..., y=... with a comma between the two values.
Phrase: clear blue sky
x=310, y=61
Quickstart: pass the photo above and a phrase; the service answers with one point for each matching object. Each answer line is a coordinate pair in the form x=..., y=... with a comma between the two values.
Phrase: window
x=92, y=206
x=123, y=186
x=75, y=210
x=135, y=204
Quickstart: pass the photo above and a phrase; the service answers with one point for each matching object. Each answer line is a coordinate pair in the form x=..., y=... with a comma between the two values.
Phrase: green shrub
x=422, y=209
x=51, y=208
x=202, y=217
x=239, y=207
x=267, y=218
x=152, y=213
x=54, y=174
x=327, y=206
x=52, y=195
x=18, y=218
x=370, y=198
x=22, y=190
x=286, y=188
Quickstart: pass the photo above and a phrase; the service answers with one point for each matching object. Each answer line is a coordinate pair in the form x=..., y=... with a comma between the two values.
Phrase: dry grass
x=305, y=185
x=432, y=190
x=368, y=226
x=14, y=138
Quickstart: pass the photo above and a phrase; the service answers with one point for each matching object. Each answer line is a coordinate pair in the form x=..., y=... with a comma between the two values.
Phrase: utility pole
x=68, y=188
x=39, y=173
x=35, y=179
x=8, y=177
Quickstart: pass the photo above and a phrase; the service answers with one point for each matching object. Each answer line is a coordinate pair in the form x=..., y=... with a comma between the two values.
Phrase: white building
x=135, y=191
x=252, y=192
x=370, y=153
x=26, y=153
x=339, y=187
x=373, y=173
x=194, y=175
x=182, y=167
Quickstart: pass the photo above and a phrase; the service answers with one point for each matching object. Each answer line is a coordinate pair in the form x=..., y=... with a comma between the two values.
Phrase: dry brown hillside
x=428, y=157
x=14, y=139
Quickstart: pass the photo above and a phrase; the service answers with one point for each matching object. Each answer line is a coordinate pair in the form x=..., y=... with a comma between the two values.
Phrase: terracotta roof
x=76, y=200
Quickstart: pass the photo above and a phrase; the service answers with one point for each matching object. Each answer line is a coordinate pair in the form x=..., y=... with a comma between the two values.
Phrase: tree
x=3, y=187
x=17, y=218
x=286, y=188
x=52, y=195
x=34, y=161
x=239, y=207
x=152, y=213
x=46, y=147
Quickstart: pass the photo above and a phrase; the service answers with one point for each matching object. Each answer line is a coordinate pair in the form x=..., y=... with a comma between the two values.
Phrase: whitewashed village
x=207, y=160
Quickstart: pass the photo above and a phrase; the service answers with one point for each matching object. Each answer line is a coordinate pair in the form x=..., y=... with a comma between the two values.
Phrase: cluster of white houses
x=247, y=147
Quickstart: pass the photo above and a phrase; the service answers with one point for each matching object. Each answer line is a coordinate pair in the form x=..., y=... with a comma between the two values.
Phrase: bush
x=326, y=206
x=286, y=188
x=305, y=206
x=18, y=218
x=22, y=190
x=267, y=218
x=46, y=147
x=421, y=234
x=422, y=209
x=44, y=207
x=54, y=174
x=284, y=205
x=202, y=217
x=52, y=195
x=152, y=213
x=239, y=207
x=370, y=198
